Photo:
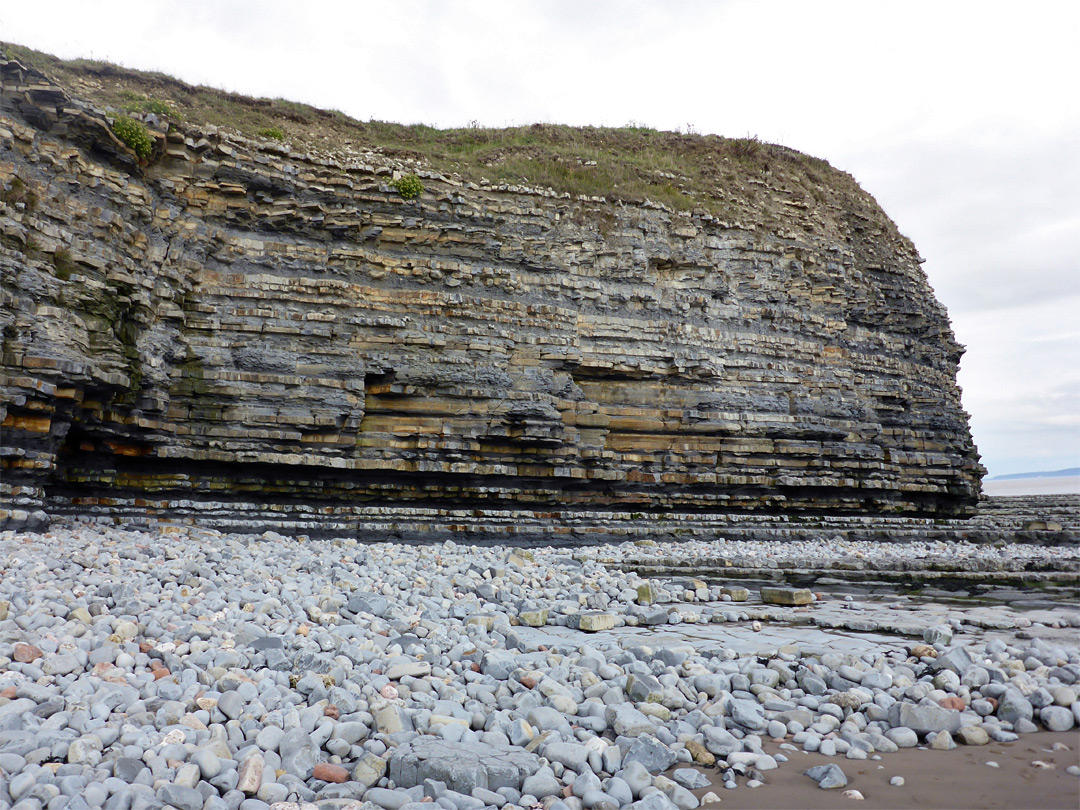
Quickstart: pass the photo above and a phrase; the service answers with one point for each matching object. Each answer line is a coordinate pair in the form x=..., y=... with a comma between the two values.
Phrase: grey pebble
x=231, y=704
x=690, y=778
x=182, y=798
x=828, y=777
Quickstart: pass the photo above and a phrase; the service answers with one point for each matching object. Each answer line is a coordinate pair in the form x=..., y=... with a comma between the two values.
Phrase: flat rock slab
x=786, y=596
x=412, y=669
x=462, y=766
x=591, y=621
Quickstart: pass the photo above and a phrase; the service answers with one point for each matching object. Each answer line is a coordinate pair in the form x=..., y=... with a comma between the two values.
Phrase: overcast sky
x=961, y=118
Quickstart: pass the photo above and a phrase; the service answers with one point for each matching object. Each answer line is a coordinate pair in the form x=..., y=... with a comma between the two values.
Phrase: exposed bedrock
x=236, y=322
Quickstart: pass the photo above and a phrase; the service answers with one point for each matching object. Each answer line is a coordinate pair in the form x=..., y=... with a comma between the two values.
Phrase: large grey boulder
x=747, y=713
x=628, y=721
x=712, y=683
x=1056, y=718
x=372, y=603
x=541, y=784
x=938, y=634
x=182, y=798
x=810, y=683
x=1014, y=706
x=828, y=777
x=462, y=766
x=644, y=688
x=636, y=776
x=954, y=658
x=691, y=779
x=571, y=755
x=298, y=752
x=720, y=742
x=499, y=664
x=923, y=719
x=786, y=596
x=651, y=753
x=654, y=801
x=902, y=737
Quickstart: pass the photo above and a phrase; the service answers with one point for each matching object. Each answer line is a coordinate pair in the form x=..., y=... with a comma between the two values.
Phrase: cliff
x=249, y=329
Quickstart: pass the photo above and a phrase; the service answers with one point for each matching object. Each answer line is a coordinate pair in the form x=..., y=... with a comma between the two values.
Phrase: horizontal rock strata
x=234, y=322
x=1044, y=521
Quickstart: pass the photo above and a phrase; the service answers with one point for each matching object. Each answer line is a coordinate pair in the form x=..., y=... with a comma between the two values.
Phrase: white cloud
x=1022, y=386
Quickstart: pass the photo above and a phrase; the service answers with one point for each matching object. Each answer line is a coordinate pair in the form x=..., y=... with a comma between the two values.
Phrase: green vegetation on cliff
x=134, y=134
x=723, y=176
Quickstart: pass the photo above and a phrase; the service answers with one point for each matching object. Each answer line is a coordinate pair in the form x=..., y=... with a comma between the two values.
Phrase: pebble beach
x=198, y=670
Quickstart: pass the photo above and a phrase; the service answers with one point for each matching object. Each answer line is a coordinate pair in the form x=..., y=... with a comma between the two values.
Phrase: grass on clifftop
x=725, y=176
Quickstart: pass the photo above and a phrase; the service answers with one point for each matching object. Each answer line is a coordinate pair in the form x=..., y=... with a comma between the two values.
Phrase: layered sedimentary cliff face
x=238, y=323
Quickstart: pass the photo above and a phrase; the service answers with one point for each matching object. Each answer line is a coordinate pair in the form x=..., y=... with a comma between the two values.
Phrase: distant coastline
x=1073, y=472
x=1023, y=485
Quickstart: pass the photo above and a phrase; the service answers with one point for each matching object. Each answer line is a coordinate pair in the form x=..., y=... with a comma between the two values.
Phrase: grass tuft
x=63, y=263
x=137, y=103
x=18, y=192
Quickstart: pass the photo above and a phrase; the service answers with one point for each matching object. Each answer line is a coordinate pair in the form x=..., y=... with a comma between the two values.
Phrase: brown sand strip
x=934, y=780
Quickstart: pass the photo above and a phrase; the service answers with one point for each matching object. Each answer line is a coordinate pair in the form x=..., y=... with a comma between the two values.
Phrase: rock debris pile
x=204, y=671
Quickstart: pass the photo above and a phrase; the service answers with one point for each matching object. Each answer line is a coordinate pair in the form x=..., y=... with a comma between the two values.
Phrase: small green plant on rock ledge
x=19, y=193
x=273, y=133
x=135, y=135
x=136, y=103
x=408, y=186
x=63, y=263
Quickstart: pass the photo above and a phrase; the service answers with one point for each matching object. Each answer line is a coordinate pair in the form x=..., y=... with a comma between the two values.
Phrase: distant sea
x=1056, y=485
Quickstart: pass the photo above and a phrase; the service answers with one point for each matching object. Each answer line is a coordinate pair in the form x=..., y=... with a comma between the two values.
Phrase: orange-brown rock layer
x=237, y=322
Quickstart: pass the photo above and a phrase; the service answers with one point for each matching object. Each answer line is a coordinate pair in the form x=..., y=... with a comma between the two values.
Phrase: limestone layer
x=236, y=321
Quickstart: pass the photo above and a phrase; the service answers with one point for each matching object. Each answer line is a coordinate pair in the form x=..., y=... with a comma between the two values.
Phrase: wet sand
x=934, y=780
